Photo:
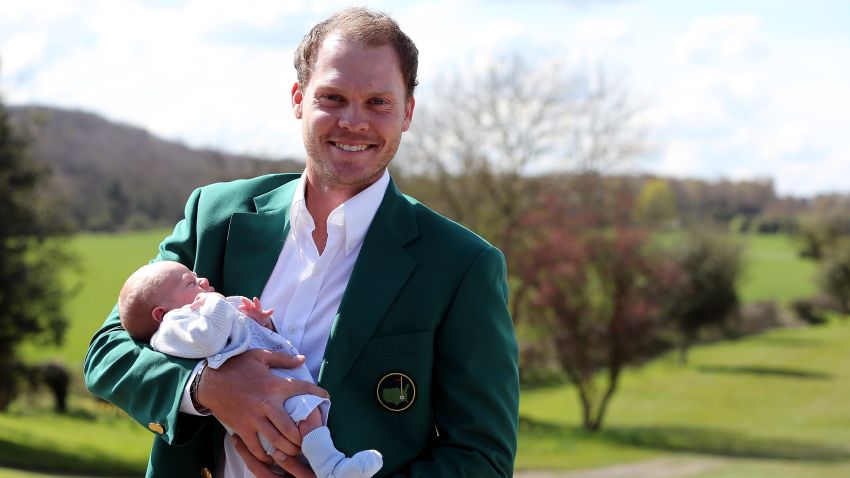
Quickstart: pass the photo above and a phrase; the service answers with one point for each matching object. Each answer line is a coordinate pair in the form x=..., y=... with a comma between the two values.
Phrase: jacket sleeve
x=476, y=380
x=146, y=384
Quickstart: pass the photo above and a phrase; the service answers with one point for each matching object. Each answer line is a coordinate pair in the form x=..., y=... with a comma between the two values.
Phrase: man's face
x=353, y=111
x=183, y=286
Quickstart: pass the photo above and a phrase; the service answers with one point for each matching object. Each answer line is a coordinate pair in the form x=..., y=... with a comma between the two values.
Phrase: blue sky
x=731, y=89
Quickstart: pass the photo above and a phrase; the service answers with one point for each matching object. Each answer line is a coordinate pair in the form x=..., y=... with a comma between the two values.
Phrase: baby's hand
x=201, y=298
x=255, y=311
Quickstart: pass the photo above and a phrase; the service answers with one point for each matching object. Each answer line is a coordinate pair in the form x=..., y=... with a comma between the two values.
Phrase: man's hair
x=365, y=27
x=141, y=294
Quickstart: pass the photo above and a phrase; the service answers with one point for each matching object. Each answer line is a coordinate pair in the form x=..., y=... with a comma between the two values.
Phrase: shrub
x=808, y=311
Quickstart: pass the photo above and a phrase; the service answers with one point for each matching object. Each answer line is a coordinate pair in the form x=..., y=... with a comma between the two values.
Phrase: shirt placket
x=306, y=294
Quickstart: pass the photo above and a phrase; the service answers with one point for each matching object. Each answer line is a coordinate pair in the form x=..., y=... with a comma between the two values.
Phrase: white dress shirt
x=306, y=288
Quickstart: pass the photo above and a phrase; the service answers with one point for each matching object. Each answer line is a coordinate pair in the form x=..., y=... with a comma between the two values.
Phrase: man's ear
x=408, y=113
x=297, y=98
x=158, y=313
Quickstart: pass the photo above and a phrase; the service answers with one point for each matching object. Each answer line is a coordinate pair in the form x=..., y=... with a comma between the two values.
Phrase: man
x=401, y=313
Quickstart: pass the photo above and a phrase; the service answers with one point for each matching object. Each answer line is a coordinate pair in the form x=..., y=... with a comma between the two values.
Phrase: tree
x=596, y=286
x=706, y=291
x=817, y=234
x=475, y=149
x=656, y=204
x=31, y=259
x=834, y=275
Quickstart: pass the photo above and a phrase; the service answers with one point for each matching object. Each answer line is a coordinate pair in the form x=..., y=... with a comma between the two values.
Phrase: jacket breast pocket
x=397, y=345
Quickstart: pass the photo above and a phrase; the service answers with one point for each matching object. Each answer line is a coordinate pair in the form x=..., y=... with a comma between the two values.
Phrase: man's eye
x=380, y=101
x=332, y=97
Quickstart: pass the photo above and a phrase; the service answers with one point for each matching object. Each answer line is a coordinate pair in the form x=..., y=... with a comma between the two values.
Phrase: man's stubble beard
x=328, y=174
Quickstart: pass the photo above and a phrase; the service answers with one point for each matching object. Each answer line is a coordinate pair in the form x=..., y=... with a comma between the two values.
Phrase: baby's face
x=183, y=286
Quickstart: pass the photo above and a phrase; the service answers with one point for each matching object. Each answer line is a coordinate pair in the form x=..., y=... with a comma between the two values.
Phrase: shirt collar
x=356, y=213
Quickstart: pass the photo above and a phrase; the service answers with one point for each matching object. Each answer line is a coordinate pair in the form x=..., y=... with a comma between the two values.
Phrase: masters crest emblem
x=396, y=391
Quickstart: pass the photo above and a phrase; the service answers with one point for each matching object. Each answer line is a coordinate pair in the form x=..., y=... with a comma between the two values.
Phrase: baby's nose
x=205, y=284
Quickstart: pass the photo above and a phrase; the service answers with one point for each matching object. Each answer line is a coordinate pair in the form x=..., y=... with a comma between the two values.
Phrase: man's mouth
x=352, y=147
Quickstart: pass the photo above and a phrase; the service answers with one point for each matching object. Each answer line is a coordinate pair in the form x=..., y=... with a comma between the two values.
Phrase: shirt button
x=291, y=329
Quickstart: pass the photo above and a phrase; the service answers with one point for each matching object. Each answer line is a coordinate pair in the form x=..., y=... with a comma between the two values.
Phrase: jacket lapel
x=254, y=242
x=380, y=272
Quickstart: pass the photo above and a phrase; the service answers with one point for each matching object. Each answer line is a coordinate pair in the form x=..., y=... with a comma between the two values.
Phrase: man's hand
x=261, y=469
x=247, y=397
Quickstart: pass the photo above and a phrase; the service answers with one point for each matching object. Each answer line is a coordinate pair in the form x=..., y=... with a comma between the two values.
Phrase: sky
x=733, y=90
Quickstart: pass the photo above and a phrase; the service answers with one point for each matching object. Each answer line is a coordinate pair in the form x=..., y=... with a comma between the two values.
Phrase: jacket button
x=156, y=428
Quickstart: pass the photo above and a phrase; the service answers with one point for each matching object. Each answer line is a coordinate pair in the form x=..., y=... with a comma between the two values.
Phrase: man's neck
x=321, y=200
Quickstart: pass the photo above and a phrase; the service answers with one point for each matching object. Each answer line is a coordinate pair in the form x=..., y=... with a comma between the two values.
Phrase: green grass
x=14, y=473
x=94, y=439
x=761, y=403
x=774, y=270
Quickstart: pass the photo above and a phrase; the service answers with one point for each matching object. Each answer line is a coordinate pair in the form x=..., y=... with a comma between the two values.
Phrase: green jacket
x=426, y=306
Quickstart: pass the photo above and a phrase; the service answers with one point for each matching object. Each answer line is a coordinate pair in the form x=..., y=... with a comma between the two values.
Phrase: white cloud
x=19, y=11
x=680, y=158
x=720, y=39
x=22, y=51
x=601, y=30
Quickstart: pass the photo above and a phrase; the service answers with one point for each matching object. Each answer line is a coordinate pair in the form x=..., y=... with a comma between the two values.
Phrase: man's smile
x=352, y=147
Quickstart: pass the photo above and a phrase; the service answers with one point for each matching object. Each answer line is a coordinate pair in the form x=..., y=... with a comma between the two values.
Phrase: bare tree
x=479, y=141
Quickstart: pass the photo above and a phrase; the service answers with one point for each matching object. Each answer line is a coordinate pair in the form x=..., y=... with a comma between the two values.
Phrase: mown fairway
x=771, y=405
x=774, y=271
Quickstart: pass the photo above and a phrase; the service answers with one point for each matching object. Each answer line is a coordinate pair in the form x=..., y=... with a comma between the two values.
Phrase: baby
x=182, y=315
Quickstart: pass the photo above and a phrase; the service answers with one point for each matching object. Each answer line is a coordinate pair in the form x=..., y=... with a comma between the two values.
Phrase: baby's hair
x=139, y=296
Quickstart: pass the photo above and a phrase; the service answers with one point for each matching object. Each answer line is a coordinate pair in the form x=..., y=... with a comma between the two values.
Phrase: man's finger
x=293, y=466
x=281, y=437
x=253, y=445
x=287, y=437
x=282, y=360
x=256, y=467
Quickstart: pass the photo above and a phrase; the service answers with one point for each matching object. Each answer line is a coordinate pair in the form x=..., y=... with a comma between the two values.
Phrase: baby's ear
x=158, y=313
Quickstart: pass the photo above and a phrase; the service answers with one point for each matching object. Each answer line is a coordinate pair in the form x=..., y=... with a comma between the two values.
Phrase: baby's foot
x=363, y=464
x=328, y=462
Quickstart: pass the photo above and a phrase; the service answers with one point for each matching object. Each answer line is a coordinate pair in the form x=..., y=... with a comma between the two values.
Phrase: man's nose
x=353, y=119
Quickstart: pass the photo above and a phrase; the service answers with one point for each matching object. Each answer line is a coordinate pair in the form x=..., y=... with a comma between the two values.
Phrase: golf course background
x=766, y=405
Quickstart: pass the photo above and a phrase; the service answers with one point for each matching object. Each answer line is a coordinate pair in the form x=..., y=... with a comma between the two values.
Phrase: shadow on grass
x=766, y=371
x=790, y=341
x=704, y=441
x=45, y=460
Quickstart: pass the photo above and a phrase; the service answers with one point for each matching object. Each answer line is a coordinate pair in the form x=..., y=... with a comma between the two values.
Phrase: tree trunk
x=8, y=385
x=684, y=345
